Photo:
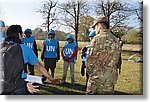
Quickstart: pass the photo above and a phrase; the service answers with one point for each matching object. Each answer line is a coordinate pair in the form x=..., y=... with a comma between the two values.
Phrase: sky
x=23, y=12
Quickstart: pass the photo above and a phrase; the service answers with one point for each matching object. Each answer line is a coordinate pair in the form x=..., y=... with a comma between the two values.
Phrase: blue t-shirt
x=28, y=57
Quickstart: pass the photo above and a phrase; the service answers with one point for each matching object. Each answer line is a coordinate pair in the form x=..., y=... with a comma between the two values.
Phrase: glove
x=42, y=57
x=56, y=81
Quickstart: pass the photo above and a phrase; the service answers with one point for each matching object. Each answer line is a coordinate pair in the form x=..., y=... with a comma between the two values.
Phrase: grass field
x=129, y=81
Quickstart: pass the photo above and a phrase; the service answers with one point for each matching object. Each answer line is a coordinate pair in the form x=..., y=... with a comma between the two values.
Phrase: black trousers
x=49, y=63
x=83, y=72
x=30, y=67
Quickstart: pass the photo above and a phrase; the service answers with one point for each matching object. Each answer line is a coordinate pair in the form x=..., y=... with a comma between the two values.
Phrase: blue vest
x=69, y=49
x=85, y=53
x=29, y=42
x=2, y=36
x=50, y=48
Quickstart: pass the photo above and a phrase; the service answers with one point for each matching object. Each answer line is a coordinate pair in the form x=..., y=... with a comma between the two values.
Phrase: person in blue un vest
x=50, y=53
x=85, y=51
x=69, y=55
x=31, y=43
x=2, y=31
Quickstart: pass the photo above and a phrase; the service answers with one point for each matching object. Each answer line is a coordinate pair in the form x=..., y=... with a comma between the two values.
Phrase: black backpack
x=12, y=66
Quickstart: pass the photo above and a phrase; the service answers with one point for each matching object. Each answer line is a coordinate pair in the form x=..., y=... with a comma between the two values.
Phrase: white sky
x=22, y=12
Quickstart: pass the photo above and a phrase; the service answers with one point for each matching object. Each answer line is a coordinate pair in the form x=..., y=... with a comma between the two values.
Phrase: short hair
x=13, y=33
x=13, y=30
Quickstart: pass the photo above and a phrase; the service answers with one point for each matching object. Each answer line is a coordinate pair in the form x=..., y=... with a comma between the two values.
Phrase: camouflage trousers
x=98, y=88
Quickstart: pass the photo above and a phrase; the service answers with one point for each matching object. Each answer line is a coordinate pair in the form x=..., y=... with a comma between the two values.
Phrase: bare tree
x=84, y=25
x=116, y=11
x=48, y=12
x=71, y=11
x=139, y=11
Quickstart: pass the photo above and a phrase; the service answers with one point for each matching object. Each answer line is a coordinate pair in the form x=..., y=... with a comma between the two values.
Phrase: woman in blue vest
x=31, y=43
x=69, y=55
x=50, y=53
x=85, y=51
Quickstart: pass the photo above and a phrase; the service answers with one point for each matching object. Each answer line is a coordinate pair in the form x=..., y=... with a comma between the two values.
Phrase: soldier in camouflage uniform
x=102, y=59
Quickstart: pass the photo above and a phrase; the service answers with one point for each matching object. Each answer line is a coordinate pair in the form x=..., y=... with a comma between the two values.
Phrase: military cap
x=99, y=20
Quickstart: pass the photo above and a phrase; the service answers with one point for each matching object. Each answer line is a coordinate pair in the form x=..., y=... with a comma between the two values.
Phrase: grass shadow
x=75, y=86
x=121, y=93
x=61, y=89
x=53, y=90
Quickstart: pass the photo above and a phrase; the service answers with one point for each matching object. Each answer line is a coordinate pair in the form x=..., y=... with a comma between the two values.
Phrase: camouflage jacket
x=102, y=59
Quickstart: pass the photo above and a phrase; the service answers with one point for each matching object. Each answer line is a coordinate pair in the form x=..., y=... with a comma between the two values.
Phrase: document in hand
x=35, y=79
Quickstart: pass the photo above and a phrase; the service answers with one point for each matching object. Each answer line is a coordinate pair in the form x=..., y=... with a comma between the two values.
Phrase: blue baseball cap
x=70, y=37
x=28, y=31
x=51, y=32
x=2, y=24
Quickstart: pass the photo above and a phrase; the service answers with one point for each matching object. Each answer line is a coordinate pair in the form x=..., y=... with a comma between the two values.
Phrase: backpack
x=13, y=65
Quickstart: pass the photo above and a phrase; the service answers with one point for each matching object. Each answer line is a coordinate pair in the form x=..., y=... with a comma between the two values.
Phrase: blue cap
x=51, y=32
x=2, y=24
x=28, y=31
x=92, y=34
x=69, y=37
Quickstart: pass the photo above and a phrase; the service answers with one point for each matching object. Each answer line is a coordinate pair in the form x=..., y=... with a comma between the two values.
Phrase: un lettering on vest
x=68, y=51
x=50, y=48
x=30, y=45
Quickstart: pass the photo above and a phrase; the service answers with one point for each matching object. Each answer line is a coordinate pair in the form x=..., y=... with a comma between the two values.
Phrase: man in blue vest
x=50, y=53
x=69, y=55
x=31, y=43
x=85, y=52
x=2, y=31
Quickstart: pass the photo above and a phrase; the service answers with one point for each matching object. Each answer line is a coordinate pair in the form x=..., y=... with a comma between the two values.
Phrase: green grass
x=129, y=81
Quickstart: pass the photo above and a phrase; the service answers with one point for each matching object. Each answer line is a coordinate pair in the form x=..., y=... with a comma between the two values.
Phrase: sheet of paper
x=35, y=79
